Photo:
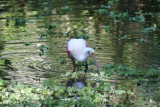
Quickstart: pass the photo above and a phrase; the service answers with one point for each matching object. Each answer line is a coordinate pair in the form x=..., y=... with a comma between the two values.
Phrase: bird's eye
x=92, y=53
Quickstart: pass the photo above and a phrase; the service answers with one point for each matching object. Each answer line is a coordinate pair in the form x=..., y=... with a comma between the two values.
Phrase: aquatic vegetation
x=124, y=17
x=66, y=8
x=148, y=29
x=96, y=93
x=7, y=22
x=84, y=36
x=102, y=11
x=22, y=93
x=118, y=17
x=50, y=26
x=20, y=21
x=124, y=37
x=107, y=28
x=42, y=49
x=3, y=83
x=141, y=40
x=140, y=13
x=70, y=75
x=125, y=71
x=91, y=62
x=27, y=43
x=61, y=61
x=55, y=93
x=39, y=16
x=138, y=18
x=141, y=19
x=42, y=35
x=153, y=72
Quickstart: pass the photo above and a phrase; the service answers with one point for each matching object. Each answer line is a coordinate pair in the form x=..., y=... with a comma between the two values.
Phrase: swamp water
x=34, y=35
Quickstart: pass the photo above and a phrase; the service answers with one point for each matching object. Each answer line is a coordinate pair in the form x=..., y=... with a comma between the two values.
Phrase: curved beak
x=95, y=61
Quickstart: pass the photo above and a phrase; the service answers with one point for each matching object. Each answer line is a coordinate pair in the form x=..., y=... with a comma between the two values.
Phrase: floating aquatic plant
x=42, y=49
x=52, y=93
x=50, y=26
x=124, y=37
x=61, y=61
x=84, y=36
x=3, y=83
x=42, y=35
x=19, y=21
x=123, y=70
x=27, y=43
x=71, y=75
x=66, y=8
x=102, y=11
x=142, y=40
x=107, y=28
x=148, y=29
x=7, y=22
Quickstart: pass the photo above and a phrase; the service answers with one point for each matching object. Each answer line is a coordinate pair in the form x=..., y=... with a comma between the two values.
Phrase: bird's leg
x=86, y=67
x=74, y=67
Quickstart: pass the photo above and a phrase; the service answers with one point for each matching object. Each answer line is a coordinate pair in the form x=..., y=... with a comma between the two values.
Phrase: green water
x=22, y=22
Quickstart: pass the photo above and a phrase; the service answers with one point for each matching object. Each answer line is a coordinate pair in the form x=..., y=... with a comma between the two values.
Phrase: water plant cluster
x=122, y=70
x=118, y=17
x=97, y=91
x=54, y=94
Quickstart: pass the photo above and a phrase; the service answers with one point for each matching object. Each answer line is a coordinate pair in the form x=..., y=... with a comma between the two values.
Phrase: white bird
x=77, y=50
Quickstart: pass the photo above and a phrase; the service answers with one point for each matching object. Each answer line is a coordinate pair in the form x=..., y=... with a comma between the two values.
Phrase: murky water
x=22, y=63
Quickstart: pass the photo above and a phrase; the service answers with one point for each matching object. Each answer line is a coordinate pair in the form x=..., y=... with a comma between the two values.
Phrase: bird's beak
x=95, y=61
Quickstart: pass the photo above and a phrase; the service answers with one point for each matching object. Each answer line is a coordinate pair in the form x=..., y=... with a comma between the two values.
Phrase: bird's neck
x=86, y=51
x=85, y=54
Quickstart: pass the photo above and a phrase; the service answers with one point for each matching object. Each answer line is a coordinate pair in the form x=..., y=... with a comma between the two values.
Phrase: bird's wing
x=76, y=46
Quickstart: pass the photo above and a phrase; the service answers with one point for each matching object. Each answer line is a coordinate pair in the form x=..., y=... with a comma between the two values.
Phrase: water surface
x=22, y=63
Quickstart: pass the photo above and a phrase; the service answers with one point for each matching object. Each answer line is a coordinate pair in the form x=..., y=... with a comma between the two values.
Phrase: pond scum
x=53, y=93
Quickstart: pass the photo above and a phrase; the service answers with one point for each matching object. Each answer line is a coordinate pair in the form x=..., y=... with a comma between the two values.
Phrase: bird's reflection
x=78, y=83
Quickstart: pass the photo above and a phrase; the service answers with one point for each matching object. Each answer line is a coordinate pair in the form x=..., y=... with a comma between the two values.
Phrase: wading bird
x=77, y=50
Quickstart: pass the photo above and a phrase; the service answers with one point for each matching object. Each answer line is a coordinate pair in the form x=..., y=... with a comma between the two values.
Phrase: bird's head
x=91, y=53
